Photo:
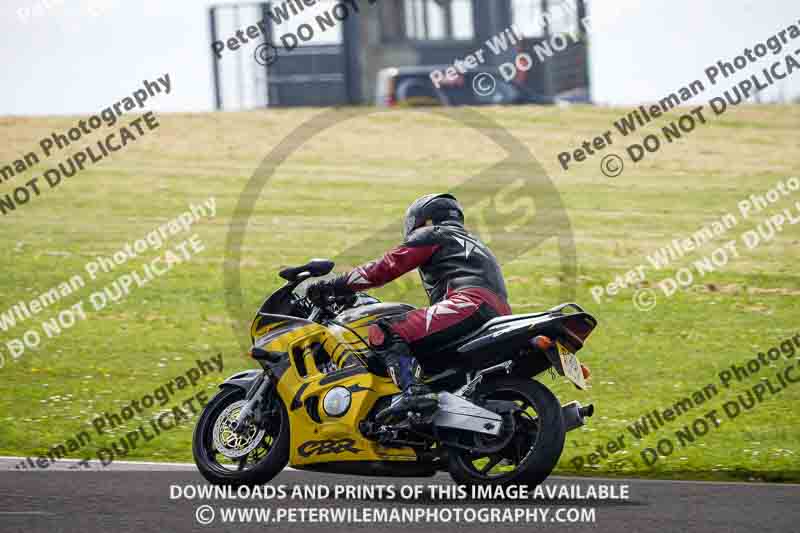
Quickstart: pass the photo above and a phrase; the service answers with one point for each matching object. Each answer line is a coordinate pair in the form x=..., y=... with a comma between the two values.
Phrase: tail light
x=541, y=342
x=579, y=326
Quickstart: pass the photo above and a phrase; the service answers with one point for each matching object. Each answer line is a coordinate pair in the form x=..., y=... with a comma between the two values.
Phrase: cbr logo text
x=322, y=447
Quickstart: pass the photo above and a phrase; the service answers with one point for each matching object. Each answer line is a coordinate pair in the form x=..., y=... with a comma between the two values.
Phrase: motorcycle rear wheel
x=266, y=460
x=533, y=451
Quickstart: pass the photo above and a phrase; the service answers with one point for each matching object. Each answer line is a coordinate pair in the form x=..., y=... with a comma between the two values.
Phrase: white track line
x=11, y=461
x=191, y=467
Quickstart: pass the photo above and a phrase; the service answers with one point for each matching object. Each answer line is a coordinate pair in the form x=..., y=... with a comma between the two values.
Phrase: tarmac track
x=136, y=497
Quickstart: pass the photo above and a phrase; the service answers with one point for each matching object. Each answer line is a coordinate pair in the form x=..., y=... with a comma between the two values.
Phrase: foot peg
x=420, y=405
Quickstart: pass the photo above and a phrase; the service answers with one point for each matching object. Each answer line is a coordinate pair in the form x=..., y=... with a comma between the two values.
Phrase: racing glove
x=321, y=293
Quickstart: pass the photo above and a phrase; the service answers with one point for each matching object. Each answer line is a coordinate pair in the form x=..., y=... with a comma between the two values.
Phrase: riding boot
x=406, y=372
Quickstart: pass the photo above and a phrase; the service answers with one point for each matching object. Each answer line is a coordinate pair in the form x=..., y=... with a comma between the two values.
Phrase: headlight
x=336, y=401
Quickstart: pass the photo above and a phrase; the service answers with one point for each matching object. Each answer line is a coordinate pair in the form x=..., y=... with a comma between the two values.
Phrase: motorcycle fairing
x=317, y=437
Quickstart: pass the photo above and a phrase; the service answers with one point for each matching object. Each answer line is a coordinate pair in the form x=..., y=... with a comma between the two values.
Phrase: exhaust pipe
x=575, y=414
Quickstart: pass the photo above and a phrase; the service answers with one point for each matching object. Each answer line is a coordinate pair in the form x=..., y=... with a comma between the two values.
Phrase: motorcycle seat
x=505, y=320
x=486, y=328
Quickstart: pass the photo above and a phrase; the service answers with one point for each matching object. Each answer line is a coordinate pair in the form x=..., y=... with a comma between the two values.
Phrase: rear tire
x=546, y=442
x=205, y=455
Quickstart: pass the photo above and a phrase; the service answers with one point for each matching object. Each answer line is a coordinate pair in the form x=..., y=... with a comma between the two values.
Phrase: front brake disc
x=228, y=442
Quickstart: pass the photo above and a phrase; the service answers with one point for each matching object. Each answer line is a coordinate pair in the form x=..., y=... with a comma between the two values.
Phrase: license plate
x=571, y=366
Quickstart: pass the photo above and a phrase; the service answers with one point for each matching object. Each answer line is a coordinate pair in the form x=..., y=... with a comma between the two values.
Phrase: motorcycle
x=315, y=402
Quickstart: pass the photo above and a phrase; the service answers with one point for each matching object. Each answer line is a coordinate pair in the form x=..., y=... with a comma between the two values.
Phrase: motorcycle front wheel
x=225, y=457
x=529, y=454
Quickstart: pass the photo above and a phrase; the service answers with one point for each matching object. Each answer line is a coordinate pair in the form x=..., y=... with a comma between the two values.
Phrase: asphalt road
x=138, y=498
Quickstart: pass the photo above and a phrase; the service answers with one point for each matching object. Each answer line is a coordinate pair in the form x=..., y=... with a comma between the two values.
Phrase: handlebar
x=337, y=300
x=323, y=301
x=322, y=309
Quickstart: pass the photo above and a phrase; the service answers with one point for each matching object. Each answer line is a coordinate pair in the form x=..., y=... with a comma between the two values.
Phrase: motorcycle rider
x=463, y=280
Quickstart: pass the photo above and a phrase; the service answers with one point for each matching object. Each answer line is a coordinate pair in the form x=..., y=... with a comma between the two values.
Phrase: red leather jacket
x=448, y=257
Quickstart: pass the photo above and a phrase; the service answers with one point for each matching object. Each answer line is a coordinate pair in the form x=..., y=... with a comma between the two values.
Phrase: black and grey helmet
x=437, y=208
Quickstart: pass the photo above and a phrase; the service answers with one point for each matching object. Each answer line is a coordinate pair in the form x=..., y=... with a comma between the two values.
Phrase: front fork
x=258, y=397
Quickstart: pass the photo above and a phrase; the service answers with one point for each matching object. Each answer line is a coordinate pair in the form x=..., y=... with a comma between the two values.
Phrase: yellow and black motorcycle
x=314, y=404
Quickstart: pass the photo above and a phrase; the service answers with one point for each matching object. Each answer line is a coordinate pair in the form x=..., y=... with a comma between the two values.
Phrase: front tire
x=266, y=460
x=534, y=448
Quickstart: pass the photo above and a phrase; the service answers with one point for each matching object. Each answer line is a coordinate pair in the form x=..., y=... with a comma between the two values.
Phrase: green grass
x=341, y=186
